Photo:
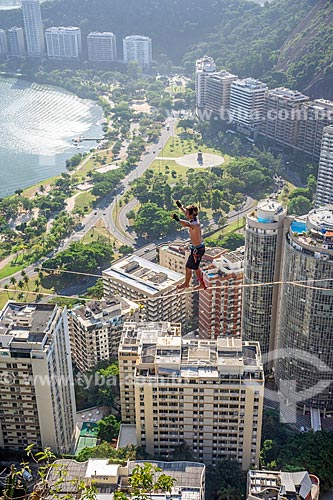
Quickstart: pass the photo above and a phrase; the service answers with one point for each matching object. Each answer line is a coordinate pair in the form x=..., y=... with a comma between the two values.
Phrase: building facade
x=315, y=116
x=138, y=49
x=203, y=68
x=102, y=47
x=282, y=115
x=16, y=43
x=305, y=321
x=63, y=42
x=95, y=329
x=37, y=401
x=3, y=44
x=282, y=485
x=33, y=28
x=324, y=191
x=247, y=104
x=220, y=307
x=262, y=262
x=206, y=393
x=155, y=286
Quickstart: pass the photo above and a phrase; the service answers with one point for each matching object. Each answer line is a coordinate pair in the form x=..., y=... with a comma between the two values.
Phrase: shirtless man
x=197, y=245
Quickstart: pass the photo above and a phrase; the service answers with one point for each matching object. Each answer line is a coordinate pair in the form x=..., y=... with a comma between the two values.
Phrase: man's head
x=191, y=211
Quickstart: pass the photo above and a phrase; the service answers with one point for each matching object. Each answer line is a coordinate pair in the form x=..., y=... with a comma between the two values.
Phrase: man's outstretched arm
x=180, y=206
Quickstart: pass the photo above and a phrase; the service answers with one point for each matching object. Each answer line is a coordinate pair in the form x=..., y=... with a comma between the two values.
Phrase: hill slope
x=284, y=42
x=307, y=54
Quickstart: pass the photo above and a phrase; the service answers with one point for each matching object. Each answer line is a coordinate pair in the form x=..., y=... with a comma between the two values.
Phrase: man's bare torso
x=195, y=233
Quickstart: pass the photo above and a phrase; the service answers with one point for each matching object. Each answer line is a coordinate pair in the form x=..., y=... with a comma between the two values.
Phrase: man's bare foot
x=182, y=286
x=202, y=286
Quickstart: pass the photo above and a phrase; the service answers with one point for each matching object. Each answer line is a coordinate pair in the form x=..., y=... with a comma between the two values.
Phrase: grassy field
x=30, y=292
x=85, y=199
x=13, y=266
x=231, y=228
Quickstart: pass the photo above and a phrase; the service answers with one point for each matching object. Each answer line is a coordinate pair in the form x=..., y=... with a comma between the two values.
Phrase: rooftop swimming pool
x=298, y=227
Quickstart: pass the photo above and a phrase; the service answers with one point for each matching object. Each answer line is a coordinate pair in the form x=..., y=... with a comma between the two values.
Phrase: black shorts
x=193, y=262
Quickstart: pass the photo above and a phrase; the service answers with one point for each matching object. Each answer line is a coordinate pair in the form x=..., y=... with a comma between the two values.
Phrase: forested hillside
x=285, y=42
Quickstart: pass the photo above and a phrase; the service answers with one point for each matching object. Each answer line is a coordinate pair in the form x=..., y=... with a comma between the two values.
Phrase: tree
x=299, y=206
x=108, y=428
x=145, y=480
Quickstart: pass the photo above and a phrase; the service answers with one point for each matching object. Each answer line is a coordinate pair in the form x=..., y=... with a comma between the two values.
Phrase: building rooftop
x=291, y=95
x=147, y=277
x=277, y=485
x=249, y=84
x=127, y=436
x=188, y=357
x=25, y=322
x=105, y=311
x=206, y=64
x=317, y=235
x=189, y=476
x=101, y=467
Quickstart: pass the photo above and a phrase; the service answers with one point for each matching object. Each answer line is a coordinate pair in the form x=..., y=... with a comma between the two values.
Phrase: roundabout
x=209, y=160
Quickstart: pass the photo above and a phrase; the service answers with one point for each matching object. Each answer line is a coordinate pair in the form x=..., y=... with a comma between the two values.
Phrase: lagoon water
x=37, y=125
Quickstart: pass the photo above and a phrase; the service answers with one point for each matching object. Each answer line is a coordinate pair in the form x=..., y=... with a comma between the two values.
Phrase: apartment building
x=102, y=47
x=16, y=43
x=138, y=48
x=208, y=393
x=108, y=477
x=247, y=104
x=282, y=485
x=33, y=28
x=174, y=256
x=63, y=42
x=218, y=87
x=282, y=115
x=262, y=263
x=138, y=279
x=95, y=329
x=324, y=191
x=316, y=115
x=3, y=44
x=305, y=319
x=220, y=306
x=37, y=402
x=203, y=67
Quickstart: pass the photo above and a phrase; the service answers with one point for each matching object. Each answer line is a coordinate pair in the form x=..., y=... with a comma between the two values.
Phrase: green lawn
x=234, y=226
x=84, y=199
x=27, y=290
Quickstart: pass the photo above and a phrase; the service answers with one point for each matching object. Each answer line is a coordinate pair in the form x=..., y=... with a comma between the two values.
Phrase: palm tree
x=20, y=296
x=12, y=280
x=6, y=286
x=20, y=284
x=26, y=281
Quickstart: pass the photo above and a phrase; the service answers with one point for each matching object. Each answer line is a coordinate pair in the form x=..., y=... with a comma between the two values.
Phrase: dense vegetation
x=283, y=449
x=280, y=41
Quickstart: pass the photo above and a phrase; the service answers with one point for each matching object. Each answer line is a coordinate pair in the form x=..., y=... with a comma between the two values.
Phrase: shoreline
x=33, y=80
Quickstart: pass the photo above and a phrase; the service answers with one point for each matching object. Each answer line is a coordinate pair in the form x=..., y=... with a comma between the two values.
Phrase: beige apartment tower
x=139, y=279
x=95, y=329
x=37, y=402
x=207, y=393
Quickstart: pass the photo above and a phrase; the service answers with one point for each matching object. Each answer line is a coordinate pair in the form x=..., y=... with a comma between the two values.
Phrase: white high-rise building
x=33, y=28
x=324, y=193
x=137, y=48
x=247, y=103
x=63, y=42
x=3, y=44
x=16, y=43
x=102, y=47
x=203, y=68
x=37, y=401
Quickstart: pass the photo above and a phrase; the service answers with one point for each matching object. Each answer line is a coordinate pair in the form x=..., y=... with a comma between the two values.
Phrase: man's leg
x=202, y=284
x=188, y=276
